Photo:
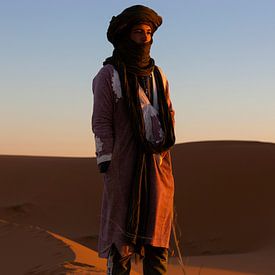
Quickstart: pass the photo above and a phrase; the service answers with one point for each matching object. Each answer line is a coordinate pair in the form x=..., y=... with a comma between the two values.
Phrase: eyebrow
x=137, y=29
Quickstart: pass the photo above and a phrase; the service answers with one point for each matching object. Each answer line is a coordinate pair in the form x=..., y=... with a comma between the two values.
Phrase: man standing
x=133, y=123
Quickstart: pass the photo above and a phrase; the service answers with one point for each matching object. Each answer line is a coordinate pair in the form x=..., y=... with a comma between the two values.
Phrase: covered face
x=139, y=21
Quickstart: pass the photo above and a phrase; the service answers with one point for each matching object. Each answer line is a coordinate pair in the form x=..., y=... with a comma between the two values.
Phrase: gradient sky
x=217, y=54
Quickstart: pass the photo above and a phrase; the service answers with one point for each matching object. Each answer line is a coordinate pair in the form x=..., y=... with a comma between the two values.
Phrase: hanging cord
x=177, y=242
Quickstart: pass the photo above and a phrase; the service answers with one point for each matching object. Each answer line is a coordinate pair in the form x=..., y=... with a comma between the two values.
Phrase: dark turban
x=132, y=16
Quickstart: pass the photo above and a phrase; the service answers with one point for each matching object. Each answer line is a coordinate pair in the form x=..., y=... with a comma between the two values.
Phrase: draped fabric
x=116, y=142
x=138, y=206
x=132, y=60
x=135, y=57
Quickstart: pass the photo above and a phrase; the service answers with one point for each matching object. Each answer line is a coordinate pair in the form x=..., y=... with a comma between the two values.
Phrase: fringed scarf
x=133, y=60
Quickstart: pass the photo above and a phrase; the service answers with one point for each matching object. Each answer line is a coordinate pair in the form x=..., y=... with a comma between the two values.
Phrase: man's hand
x=103, y=166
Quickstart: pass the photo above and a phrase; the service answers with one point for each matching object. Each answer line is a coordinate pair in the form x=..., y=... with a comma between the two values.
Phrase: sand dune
x=49, y=206
x=31, y=250
x=224, y=196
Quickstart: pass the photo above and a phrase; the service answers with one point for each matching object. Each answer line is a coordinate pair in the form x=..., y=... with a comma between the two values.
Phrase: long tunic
x=115, y=142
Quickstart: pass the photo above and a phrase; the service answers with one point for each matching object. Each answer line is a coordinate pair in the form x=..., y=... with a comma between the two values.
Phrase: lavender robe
x=115, y=142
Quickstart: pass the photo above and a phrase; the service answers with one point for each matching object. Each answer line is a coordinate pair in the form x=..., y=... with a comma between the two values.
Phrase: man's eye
x=141, y=31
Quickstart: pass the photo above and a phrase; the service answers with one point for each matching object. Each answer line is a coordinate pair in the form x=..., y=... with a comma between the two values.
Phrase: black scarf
x=129, y=70
x=136, y=58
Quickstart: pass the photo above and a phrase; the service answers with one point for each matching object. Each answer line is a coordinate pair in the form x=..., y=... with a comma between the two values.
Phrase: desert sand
x=50, y=207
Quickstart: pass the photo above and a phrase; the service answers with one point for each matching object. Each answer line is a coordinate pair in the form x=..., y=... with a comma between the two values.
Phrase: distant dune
x=224, y=205
x=225, y=195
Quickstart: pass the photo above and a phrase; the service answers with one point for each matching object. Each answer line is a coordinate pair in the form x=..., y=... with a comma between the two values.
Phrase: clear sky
x=218, y=55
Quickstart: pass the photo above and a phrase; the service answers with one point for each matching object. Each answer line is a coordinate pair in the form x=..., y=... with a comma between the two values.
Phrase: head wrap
x=129, y=17
x=133, y=56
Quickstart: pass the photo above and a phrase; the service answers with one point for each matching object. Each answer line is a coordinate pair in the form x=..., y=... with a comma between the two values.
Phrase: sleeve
x=102, y=117
x=169, y=103
x=170, y=107
x=167, y=95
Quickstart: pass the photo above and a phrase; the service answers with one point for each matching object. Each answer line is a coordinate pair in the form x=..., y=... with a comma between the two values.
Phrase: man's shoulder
x=106, y=71
x=162, y=73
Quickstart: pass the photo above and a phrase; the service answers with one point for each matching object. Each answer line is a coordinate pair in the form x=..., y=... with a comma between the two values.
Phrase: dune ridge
x=30, y=250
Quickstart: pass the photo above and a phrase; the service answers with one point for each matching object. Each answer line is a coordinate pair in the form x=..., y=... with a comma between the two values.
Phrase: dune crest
x=27, y=249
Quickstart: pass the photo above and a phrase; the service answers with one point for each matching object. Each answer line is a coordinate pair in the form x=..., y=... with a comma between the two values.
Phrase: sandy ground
x=50, y=207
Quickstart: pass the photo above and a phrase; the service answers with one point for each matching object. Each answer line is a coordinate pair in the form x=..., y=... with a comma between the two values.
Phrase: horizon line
x=93, y=156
